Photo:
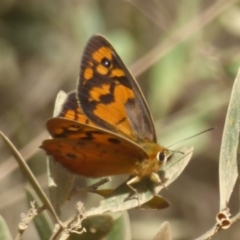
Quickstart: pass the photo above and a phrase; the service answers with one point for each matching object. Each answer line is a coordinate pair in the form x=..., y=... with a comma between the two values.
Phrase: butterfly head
x=157, y=157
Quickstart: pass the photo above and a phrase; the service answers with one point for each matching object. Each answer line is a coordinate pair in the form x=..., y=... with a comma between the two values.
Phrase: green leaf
x=164, y=232
x=228, y=161
x=157, y=203
x=121, y=228
x=4, y=231
x=30, y=177
x=97, y=227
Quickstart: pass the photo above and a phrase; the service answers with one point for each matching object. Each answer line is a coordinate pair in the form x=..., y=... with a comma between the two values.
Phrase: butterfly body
x=105, y=128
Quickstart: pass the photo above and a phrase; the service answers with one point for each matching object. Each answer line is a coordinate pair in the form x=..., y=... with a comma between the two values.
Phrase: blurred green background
x=185, y=55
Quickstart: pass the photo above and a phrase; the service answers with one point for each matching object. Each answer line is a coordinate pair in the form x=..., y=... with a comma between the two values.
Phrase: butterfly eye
x=106, y=63
x=161, y=156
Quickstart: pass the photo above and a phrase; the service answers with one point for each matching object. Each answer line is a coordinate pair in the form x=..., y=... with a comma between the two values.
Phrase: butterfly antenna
x=210, y=129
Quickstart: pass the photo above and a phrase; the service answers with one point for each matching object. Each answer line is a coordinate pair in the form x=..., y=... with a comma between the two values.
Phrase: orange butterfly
x=105, y=128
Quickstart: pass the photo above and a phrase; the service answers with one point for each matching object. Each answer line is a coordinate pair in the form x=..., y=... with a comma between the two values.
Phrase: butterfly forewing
x=108, y=94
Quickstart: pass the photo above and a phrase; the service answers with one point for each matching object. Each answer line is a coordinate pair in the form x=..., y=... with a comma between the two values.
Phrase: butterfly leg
x=154, y=177
x=136, y=179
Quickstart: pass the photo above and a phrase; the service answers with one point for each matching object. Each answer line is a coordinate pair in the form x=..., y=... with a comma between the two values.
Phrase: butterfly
x=105, y=127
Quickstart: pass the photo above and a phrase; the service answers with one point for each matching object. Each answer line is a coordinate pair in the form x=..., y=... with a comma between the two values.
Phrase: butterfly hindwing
x=91, y=151
x=109, y=96
x=71, y=110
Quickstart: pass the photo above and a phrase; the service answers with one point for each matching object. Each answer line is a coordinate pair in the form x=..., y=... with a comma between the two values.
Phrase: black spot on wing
x=107, y=98
x=71, y=155
x=89, y=135
x=80, y=143
x=121, y=121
